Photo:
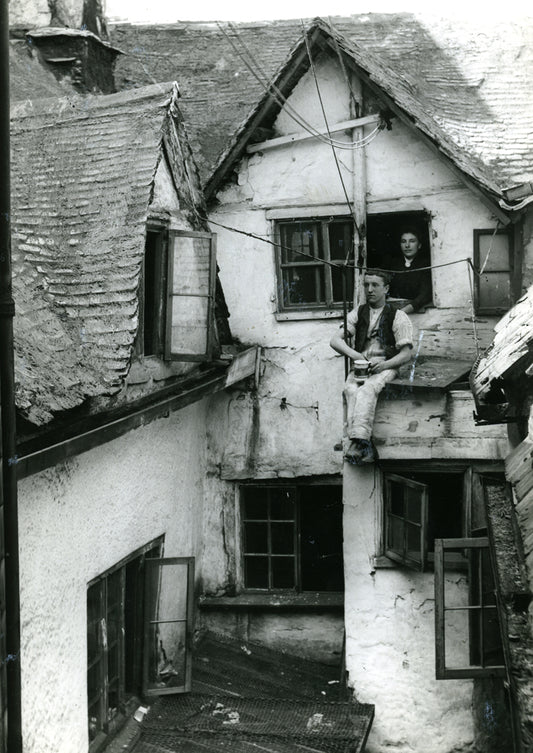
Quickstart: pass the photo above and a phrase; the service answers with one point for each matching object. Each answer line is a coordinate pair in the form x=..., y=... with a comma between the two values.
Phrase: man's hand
x=377, y=366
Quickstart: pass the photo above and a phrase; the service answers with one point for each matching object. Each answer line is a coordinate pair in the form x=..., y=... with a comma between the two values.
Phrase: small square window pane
x=303, y=285
x=304, y=237
x=413, y=542
x=396, y=535
x=256, y=537
x=414, y=505
x=282, y=538
x=282, y=504
x=396, y=498
x=256, y=572
x=494, y=252
x=282, y=572
x=494, y=290
x=256, y=503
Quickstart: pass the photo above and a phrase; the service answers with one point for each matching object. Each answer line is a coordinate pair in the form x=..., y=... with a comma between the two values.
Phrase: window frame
x=296, y=485
x=404, y=559
x=478, y=261
x=126, y=701
x=162, y=294
x=442, y=671
x=324, y=222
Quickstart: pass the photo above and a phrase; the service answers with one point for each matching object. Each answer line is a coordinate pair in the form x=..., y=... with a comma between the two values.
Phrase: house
x=118, y=331
x=444, y=117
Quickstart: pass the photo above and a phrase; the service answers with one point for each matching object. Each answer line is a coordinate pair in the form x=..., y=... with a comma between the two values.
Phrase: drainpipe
x=7, y=403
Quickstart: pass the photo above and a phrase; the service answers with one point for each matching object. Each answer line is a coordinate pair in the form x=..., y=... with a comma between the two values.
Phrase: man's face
x=410, y=245
x=375, y=291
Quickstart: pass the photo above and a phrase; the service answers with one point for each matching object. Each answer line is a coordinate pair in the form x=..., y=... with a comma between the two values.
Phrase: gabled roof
x=467, y=88
x=83, y=172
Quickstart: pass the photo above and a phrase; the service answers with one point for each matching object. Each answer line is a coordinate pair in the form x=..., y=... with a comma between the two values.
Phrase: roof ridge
x=81, y=106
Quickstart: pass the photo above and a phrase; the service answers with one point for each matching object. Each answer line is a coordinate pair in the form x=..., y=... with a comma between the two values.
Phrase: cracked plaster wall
x=76, y=521
x=389, y=615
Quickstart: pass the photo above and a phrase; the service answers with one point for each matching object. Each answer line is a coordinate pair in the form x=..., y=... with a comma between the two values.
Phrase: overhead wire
x=258, y=73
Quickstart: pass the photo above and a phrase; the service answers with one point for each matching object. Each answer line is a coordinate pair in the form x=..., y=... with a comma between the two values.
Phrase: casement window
x=469, y=612
x=178, y=294
x=139, y=622
x=494, y=262
x=419, y=507
x=305, y=279
x=292, y=537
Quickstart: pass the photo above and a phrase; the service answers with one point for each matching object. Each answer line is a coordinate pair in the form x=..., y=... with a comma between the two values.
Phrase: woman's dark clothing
x=413, y=285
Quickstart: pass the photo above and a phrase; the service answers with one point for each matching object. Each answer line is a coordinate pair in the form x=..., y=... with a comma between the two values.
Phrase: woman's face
x=410, y=245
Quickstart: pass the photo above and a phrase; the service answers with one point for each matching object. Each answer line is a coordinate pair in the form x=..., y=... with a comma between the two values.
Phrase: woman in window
x=412, y=283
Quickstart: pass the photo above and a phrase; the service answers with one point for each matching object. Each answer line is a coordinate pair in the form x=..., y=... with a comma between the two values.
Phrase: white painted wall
x=389, y=615
x=76, y=521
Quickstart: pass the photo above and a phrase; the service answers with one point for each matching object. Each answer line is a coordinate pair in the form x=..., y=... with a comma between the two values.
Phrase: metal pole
x=7, y=402
x=345, y=317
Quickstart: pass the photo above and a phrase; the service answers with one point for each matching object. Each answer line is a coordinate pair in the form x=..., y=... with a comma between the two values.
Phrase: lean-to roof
x=83, y=171
x=466, y=87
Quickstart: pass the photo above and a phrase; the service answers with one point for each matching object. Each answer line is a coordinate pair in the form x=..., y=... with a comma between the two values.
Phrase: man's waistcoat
x=384, y=329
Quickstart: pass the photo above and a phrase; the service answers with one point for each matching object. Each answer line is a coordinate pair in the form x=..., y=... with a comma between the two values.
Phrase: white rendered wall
x=76, y=521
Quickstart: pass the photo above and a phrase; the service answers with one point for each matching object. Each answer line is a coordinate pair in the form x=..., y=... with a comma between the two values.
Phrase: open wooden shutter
x=191, y=296
x=168, y=623
x=406, y=514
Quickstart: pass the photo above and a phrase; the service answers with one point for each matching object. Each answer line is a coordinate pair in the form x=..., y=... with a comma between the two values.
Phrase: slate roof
x=82, y=178
x=470, y=85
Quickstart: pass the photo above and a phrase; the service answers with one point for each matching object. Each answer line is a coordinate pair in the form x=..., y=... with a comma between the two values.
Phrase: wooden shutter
x=191, y=296
x=168, y=624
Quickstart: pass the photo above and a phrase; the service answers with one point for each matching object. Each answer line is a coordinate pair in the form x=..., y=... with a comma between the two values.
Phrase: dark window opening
x=305, y=278
x=154, y=292
x=384, y=232
x=292, y=537
x=114, y=644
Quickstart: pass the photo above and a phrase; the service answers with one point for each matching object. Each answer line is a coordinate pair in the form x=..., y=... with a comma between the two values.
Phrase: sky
x=166, y=11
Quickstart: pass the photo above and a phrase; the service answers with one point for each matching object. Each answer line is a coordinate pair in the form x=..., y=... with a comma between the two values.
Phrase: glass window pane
x=114, y=589
x=255, y=502
x=282, y=572
x=113, y=626
x=494, y=252
x=303, y=285
x=413, y=542
x=396, y=535
x=495, y=290
x=414, y=504
x=256, y=538
x=302, y=237
x=396, y=498
x=457, y=653
x=256, y=572
x=281, y=504
x=282, y=538
x=341, y=240
x=167, y=657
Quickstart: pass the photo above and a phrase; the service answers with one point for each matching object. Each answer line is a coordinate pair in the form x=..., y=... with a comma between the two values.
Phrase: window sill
x=293, y=316
x=317, y=600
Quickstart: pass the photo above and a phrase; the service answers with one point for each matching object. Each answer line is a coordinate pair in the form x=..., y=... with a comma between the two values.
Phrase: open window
x=384, y=251
x=168, y=624
x=419, y=507
x=292, y=537
x=306, y=280
x=468, y=639
x=139, y=627
x=177, y=295
x=494, y=260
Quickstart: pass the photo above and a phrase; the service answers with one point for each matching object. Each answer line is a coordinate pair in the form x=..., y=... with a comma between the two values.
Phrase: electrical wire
x=490, y=248
x=280, y=98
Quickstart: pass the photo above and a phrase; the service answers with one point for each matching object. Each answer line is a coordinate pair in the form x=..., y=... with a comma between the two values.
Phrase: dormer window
x=177, y=294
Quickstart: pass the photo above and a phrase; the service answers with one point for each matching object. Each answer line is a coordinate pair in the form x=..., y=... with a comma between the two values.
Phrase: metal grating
x=319, y=726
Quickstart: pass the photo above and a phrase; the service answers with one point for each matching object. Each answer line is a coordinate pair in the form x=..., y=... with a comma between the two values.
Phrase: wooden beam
x=346, y=125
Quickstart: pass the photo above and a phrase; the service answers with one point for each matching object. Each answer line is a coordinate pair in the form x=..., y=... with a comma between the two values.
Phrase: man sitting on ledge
x=383, y=337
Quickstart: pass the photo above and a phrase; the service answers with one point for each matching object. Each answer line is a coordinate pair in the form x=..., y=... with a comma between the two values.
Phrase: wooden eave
x=320, y=36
